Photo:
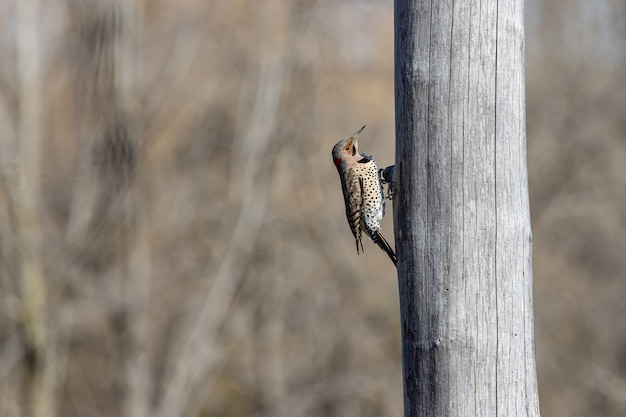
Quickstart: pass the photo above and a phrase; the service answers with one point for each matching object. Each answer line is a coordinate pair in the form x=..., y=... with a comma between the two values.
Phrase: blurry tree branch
x=196, y=356
x=22, y=187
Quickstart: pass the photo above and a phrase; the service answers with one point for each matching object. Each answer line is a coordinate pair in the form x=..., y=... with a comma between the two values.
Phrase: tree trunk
x=461, y=212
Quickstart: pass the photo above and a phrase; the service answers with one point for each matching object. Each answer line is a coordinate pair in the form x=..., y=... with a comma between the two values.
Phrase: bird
x=362, y=193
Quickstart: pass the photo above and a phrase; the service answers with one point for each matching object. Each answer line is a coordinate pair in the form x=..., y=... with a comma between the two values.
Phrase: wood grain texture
x=461, y=212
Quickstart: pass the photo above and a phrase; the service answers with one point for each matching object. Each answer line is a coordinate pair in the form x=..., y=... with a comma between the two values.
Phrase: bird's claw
x=390, y=191
x=386, y=176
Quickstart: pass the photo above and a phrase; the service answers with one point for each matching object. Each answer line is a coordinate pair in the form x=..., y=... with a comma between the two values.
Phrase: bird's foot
x=386, y=176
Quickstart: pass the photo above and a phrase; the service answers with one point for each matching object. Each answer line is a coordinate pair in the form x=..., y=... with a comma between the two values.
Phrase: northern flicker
x=362, y=193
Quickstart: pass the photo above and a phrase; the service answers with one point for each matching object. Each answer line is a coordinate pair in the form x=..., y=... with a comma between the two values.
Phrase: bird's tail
x=378, y=238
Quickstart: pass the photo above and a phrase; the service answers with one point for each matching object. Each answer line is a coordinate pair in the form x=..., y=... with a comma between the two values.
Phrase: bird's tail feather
x=384, y=245
x=358, y=241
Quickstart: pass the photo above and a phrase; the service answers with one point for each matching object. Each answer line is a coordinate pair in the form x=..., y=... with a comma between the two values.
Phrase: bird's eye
x=347, y=148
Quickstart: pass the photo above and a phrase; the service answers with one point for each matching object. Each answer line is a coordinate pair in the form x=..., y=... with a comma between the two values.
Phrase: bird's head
x=346, y=151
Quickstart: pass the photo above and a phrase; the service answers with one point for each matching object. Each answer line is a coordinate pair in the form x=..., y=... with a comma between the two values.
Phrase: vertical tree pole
x=461, y=212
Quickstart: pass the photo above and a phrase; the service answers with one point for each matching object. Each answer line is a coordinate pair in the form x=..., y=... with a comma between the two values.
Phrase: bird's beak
x=358, y=132
x=354, y=137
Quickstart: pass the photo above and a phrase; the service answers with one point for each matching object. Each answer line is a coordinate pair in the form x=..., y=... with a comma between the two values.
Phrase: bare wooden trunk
x=461, y=213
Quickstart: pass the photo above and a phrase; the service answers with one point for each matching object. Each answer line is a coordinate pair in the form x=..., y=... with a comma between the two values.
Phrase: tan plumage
x=362, y=192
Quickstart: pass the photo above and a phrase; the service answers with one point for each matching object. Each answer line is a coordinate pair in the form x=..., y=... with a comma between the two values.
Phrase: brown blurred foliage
x=173, y=243
x=576, y=129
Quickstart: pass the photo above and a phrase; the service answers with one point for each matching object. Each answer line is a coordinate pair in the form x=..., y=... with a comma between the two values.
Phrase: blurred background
x=175, y=245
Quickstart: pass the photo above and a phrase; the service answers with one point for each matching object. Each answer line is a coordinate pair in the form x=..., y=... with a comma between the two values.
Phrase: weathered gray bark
x=461, y=212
